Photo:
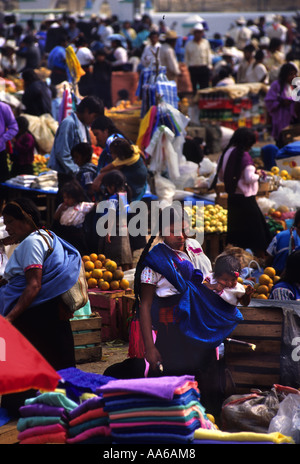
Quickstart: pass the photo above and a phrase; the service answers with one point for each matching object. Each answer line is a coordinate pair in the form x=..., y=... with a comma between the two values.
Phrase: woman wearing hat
x=168, y=56
x=198, y=58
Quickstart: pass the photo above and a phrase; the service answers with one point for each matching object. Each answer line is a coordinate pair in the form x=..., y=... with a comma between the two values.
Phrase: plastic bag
x=164, y=188
x=287, y=419
x=251, y=412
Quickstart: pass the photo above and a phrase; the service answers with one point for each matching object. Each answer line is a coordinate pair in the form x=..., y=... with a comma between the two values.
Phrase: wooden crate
x=87, y=339
x=260, y=368
x=9, y=433
x=109, y=306
x=214, y=244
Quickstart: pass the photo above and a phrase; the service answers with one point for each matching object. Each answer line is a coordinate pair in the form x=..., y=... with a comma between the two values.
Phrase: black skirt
x=246, y=226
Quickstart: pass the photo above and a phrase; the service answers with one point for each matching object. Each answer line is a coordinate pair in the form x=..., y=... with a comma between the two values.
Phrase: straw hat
x=171, y=35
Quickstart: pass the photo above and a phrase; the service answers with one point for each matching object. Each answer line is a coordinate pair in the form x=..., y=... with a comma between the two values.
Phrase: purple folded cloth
x=161, y=387
x=92, y=403
x=41, y=430
x=40, y=409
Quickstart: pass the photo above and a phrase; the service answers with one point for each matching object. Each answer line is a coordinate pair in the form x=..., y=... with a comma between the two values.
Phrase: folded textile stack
x=154, y=410
x=89, y=423
x=248, y=438
x=23, y=180
x=44, y=419
x=45, y=181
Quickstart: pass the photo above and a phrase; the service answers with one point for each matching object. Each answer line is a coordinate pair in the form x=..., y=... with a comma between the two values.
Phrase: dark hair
x=285, y=70
x=29, y=75
x=297, y=218
x=122, y=148
x=117, y=179
x=242, y=139
x=291, y=272
x=85, y=150
x=104, y=123
x=274, y=44
x=23, y=124
x=259, y=55
x=74, y=190
x=91, y=104
x=249, y=48
x=227, y=263
x=20, y=208
x=229, y=42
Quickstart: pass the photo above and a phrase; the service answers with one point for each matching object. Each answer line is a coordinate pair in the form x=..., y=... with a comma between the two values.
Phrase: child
x=70, y=216
x=82, y=155
x=224, y=281
x=129, y=159
x=23, y=149
x=116, y=246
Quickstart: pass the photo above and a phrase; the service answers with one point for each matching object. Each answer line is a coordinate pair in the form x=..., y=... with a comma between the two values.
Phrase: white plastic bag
x=287, y=419
x=164, y=188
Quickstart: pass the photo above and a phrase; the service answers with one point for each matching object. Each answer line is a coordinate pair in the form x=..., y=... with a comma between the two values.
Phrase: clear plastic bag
x=287, y=419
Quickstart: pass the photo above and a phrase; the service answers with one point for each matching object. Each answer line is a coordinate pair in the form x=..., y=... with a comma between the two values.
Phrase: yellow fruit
x=118, y=274
x=262, y=296
x=88, y=274
x=92, y=283
x=107, y=275
x=85, y=258
x=264, y=279
x=124, y=284
x=276, y=279
x=111, y=265
x=275, y=170
x=103, y=285
x=98, y=264
x=270, y=271
x=97, y=274
x=270, y=286
x=89, y=266
x=101, y=257
x=93, y=257
x=240, y=280
x=114, y=285
x=263, y=289
x=284, y=173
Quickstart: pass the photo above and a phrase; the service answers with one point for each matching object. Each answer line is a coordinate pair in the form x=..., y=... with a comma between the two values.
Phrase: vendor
x=288, y=287
x=40, y=269
x=283, y=244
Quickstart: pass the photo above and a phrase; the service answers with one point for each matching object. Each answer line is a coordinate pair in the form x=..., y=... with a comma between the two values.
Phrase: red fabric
x=22, y=367
x=136, y=348
x=58, y=438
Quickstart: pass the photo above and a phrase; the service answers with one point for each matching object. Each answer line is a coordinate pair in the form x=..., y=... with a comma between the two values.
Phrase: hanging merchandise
x=67, y=105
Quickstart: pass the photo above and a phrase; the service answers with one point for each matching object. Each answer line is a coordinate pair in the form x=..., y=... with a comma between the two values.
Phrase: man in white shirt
x=168, y=56
x=151, y=50
x=198, y=58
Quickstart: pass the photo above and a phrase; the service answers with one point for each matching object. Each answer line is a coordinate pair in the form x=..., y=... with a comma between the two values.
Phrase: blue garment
x=57, y=58
x=280, y=248
x=292, y=293
x=105, y=157
x=67, y=136
x=203, y=315
x=269, y=154
x=60, y=272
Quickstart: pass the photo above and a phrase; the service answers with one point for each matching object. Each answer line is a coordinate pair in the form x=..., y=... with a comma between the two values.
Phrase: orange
x=107, y=275
x=114, y=285
x=270, y=271
x=264, y=279
x=92, y=283
x=89, y=266
x=85, y=258
x=97, y=274
x=98, y=264
x=276, y=279
x=118, y=274
x=111, y=265
x=124, y=284
x=93, y=257
x=263, y=289
x=101, y=257
x=262, y=296
x=88, y=274
x=103, y=285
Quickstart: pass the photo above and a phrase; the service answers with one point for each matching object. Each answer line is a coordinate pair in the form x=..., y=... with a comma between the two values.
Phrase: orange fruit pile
x=103, y=273
x=265, y=283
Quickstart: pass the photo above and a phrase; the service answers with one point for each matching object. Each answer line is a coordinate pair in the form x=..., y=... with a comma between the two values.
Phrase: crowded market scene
x=149, y=230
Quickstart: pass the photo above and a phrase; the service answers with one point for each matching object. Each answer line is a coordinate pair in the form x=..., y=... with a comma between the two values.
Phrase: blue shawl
x=60, y=272
x=203, y=315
